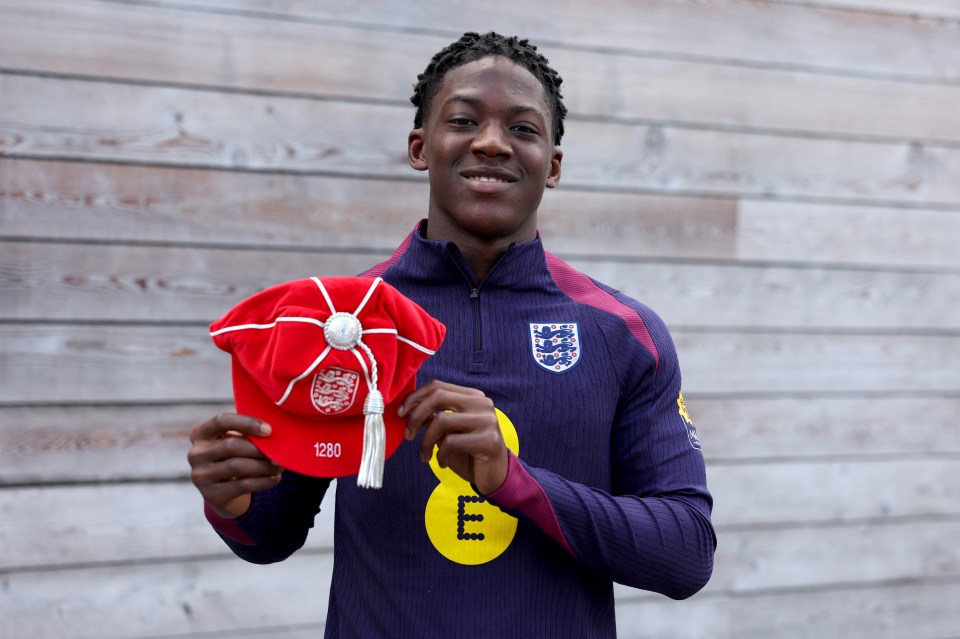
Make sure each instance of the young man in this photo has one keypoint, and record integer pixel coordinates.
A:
(549, 450)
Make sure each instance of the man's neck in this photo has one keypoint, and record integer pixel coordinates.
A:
(481, 254)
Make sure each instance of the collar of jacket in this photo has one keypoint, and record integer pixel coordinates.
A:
(522, 266)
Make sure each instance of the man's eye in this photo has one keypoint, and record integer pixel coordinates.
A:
(524, 129)
(461, 121)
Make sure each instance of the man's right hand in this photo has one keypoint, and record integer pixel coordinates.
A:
(226, 467)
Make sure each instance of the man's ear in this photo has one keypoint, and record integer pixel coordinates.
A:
(553, 177)
(415, 150)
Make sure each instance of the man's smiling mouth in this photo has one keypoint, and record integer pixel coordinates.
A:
(484, 178)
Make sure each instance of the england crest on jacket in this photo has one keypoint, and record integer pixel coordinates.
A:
(555, 346)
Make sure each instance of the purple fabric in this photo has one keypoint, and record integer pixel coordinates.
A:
(227, 527)
(522, 493)
(608, 482)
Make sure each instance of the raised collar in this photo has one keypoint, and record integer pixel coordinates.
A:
(522, 265)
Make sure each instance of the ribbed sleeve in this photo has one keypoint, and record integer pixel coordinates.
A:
(277, 522)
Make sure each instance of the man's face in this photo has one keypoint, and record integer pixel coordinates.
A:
(487, 142)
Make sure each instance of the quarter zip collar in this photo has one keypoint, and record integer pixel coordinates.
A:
(521, 267)
(439, 270)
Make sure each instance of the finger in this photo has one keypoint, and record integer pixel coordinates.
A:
(218, 495)
(233, 469)
(480, 445)
(212, 451)
(447, 399)
(430, 392)
(219, 425)
(444, 425)
(476, 458)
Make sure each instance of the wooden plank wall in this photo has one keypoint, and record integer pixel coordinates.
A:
(780, 180)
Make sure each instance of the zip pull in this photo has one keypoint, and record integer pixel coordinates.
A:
(474, 293)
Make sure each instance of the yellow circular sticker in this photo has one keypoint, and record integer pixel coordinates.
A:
(463, 526)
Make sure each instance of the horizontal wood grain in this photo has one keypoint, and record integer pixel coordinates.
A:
(927, 610)
(764, 33)
(140, 523)
(614, 155)
(712, 96)
(116, 283)
(926, 8)
(268, 133)
(115, 363)
(167, 599)
(105, 363)
(817, 363)
(232, 51)
(66, 444)
(63, 444)
(178, 599)
(78, 200)
(844, 491)
(847, 234)
(775, 297)
(757, 560)
(122, 523)
(69, 282)
(70, 200)
(254, 53)
(734, 429)
(845, 505)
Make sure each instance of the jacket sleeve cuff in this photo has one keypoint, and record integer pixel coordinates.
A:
(522, 493)
(229, 528)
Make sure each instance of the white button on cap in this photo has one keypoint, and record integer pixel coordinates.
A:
(342, 331)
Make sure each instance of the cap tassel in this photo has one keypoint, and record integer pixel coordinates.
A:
(374, 442)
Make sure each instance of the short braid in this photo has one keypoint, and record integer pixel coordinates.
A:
(471, 47)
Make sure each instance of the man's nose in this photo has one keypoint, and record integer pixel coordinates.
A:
(491, 141)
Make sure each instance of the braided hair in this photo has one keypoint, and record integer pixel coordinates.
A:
(471, 47)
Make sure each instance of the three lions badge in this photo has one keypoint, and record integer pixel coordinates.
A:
(555, 346)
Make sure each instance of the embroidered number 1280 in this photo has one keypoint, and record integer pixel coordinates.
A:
(328, 449)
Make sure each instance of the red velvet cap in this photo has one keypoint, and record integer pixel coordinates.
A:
(306, 356)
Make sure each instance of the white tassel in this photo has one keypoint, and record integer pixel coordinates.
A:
(374, 442)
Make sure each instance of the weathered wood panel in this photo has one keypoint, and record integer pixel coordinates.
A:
(136, 204)
(667, 159)
(68, 200)
(114, 363)
(818, 363)
(845, 491)
(772, 297)
(121, 283)
(794, 558)
(773, 428)
(255, 52)
(925, 8)
(205, 128)
(118, 283)
(763, 34)
(121, 523)
(169, 45)
(915, 609)
(751, 99)
(176, 599)
(110, 363)
(118, 529)
(62, 444)
(848, 234)
(44, 444)
(167, 599)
